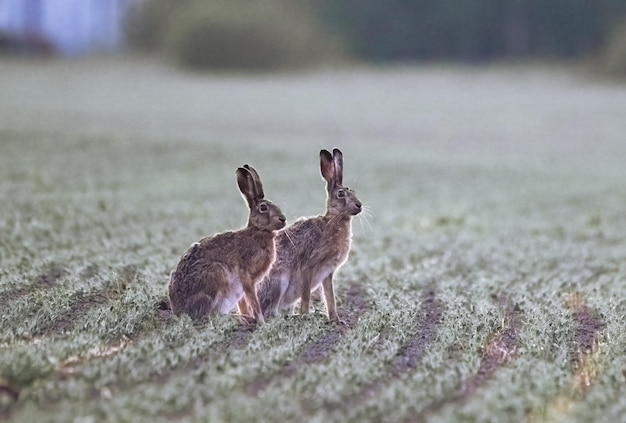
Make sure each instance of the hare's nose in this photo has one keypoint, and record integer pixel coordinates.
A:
(358, 205)
(283, 219)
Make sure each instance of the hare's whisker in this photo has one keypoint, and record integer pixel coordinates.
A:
(362, 227)
(365, 218)
(365, 214)
(367, 209)
(286, 231)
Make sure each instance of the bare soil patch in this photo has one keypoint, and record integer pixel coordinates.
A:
(588, 328)
(587, 334)
(50, 276)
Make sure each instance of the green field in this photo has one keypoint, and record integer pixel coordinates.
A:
(487, 280)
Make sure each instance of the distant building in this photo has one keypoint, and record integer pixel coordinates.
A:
(66, 27)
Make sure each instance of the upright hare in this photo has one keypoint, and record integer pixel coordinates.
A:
(220, 271)
(310, 250)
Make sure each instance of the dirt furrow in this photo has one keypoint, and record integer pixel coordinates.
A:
(70, 366)
(429, 317)
(238, 339)
(79, 308)
(45, 280)
(354, 305)
(83, 303)
(584, 355)
(409, 356)
(349, 312)
(66, 322)
(584, 348)
(500, 350)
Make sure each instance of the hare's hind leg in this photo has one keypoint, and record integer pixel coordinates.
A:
(245, 315)
(305, 300)
(271, 293)
(242, 307)
(316, 294)
(198, 305)
(249, 295)
(329, 299)
(268, 295)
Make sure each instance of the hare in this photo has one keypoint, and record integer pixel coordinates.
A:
(310, 250)
(220, 271)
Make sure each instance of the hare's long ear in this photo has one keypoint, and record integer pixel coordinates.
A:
(327, 167)
(245, 181)
(338, 161)
(258, 186)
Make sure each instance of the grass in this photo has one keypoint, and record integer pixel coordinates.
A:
(482, 183)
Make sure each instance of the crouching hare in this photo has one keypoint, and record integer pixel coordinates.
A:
(310, 250)
(221, 271)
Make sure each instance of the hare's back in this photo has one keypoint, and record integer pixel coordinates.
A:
(208, 250)
(215, 246)
(302, 237)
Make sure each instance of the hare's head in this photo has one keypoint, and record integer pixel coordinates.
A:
(341, 201)
(264, 215)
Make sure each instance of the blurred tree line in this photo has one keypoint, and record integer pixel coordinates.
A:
(227, 34)
(282, 33)
(471, 29)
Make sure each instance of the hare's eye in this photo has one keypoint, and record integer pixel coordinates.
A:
(341, 194)
(263, 208)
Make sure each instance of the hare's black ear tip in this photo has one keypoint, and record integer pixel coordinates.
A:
(337, 151)
(325, 153)
(246, 166)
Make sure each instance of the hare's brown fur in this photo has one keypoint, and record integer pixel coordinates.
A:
(310, 250)
(221, 271)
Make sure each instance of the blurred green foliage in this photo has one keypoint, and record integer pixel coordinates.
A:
(614, 61)
(232, 34)
(146, 25)
(286, 33)
(471, 29)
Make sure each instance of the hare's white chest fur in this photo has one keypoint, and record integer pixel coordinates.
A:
(233, 294)
(291, 282)
(321, 274)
